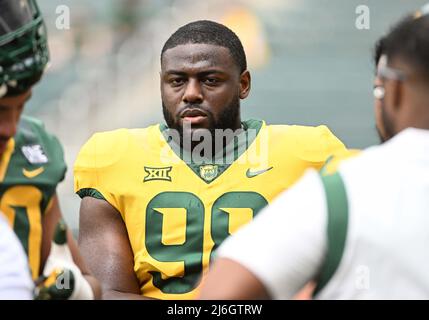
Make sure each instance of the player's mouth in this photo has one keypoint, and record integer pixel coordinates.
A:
(193, 116)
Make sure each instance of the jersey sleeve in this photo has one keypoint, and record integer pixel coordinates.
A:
(284, 247)
(316, 145)
(33, 131)
(98, 167)
(332, 164)
(49, 156)
(58, 166)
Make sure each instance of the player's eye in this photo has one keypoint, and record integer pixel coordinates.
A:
(175, 82)
(211, 81)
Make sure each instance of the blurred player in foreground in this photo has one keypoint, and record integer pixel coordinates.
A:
(15, 279)
(366, 226)
(31, 160)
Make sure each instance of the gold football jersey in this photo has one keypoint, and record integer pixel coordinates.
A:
(177, 212)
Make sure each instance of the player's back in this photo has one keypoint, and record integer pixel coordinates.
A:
(385, 253)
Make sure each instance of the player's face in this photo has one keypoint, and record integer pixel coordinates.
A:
(10, 112)
(201, 86)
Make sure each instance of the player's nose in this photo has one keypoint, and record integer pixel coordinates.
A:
(193, 93)
(8, 126)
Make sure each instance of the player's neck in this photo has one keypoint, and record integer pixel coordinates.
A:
(211, 142)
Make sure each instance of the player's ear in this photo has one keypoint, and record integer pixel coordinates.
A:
(245, 84)
(394, 96)
(397, 95)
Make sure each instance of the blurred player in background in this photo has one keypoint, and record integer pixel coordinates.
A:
(151, 214)
(31, 160)
(366, 226)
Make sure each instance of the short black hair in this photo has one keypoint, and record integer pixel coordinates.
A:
(209, 32)
(409, 41)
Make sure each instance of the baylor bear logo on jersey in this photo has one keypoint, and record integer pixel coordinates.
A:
(209, 172)
(157, 174)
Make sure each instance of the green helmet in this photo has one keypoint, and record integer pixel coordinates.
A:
(24, 50)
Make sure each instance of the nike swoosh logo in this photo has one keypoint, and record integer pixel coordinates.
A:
(251, 174)
(30, 174)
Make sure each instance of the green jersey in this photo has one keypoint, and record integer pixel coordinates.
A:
(30, 170)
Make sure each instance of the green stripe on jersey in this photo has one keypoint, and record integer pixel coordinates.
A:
(90, 192)
(337, 205)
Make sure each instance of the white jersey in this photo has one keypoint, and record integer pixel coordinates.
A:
(362, 233)
(15, 279)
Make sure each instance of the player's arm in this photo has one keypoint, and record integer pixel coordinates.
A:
(103, 242)
(246, 287)
(237, 283)
(49, 223)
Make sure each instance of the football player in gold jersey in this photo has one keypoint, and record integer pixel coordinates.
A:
(31, 159)
(158, 201)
